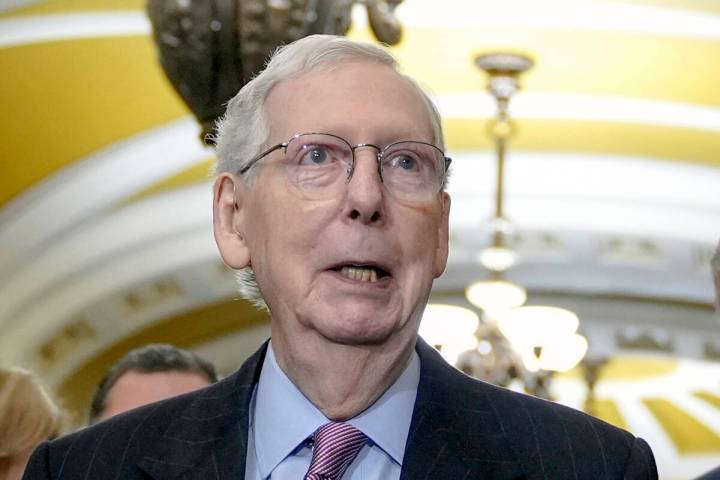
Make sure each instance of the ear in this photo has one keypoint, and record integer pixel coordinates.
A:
(443, 233)
(228, 220)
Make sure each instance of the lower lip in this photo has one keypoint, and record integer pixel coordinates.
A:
(382, 283)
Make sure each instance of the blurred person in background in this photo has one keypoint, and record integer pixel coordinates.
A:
(148, 374)
(28, 416)
(715, 267)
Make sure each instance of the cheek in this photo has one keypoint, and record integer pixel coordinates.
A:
(285, 231)
(421, 243)
(302, 225)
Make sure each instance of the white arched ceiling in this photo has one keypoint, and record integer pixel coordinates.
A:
(94, 185)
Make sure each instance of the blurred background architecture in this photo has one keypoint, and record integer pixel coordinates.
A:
(610, 199)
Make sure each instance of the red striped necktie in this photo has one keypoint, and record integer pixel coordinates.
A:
(335, 446)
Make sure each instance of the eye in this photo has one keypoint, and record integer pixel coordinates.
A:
(315, 155)
(406, 162)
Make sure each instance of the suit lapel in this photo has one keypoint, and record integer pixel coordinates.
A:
(454, 432)
(209, 440)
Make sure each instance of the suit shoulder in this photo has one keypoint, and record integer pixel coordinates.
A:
(520, 414)
(115, 444)
(515, 405)
(547, 434)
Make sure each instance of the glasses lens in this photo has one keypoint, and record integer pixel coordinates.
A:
(413, 170)
(317, 164)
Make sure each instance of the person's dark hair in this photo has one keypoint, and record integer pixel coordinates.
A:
(157, 357)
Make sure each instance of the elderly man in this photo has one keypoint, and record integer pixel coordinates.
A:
(330, 202)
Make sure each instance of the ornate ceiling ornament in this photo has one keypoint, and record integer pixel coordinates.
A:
(210, 49)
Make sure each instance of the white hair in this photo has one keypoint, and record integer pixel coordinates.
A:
(242, 133)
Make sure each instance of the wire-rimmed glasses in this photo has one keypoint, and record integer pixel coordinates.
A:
(319, 165)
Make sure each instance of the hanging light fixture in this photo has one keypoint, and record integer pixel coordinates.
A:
(503, 71)
(450, 329)
(543, 336)
(495, 295)
(536, 325)
(563, 353)
(514, 342)
(498, 256)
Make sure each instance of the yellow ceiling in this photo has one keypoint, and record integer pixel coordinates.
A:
(200, 172)
(65, 100)
(689, 435)
(700, 5)
(44, 7)
(49, 7)
(578, 61)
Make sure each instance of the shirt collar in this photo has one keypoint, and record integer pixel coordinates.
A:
(283, 417)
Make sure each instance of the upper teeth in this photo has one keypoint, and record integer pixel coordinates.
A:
(361, 274)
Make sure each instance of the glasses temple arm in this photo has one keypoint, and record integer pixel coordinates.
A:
(257, 158)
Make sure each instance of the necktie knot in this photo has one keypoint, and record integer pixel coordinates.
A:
(335, 446)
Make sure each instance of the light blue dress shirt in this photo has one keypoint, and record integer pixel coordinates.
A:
(282, 419)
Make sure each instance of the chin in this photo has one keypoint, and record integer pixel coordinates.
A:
(357, 329)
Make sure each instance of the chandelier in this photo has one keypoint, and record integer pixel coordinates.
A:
(510, 341)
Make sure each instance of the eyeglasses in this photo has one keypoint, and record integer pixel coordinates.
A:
(319, 165)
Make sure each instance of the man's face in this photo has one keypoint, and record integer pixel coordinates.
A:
(304, 251)
(134, 389)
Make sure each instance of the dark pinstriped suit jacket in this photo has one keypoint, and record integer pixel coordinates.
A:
(461, 429)
(713, 474)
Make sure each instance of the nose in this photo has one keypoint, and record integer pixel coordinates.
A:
(365, 199)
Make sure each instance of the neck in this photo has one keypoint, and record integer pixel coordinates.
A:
(12, 468)
(346, 379)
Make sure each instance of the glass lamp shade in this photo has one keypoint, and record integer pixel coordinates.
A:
(495, 295)
(450, 329)
(536, 326)
(497, 259)
(564, 353)
(560, 355)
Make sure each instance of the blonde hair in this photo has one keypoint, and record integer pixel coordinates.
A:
(28, 415)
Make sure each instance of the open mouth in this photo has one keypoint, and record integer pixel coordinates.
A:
(362, 273)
